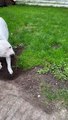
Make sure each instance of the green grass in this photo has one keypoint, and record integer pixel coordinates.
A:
(53, 94)
(44, 33)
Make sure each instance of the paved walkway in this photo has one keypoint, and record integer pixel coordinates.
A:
(14, 107)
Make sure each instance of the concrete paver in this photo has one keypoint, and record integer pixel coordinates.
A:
(14, 107)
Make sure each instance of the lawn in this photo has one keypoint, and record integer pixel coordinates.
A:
(44, 33)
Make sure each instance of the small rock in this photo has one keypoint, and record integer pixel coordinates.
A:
(56, 83)
(39, 96)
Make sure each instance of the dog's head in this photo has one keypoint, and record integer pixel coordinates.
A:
(6, 49)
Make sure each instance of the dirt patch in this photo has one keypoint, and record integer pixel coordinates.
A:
(4, 75)
(28, 82)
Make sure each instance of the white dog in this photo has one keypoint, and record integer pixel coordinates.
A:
(5, 47)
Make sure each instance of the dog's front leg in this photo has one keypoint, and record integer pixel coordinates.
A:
(0, 65)
(8, 60)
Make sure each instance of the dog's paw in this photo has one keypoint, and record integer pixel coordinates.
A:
(0, 65)
(11, 71)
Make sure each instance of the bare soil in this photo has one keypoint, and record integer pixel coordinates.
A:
(28, 82)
